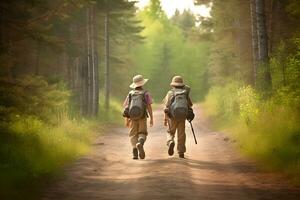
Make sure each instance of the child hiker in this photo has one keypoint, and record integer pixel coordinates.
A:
(137, 107)
(178, 108)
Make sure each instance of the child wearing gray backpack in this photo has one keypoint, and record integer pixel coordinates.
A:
(178, 108)
(137, 108)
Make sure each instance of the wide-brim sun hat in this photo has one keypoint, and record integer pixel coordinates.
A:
(138, 81)
(177, 81)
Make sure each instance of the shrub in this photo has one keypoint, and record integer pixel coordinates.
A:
(31, 149)
(36, 135)
(267, 130)
(223, 102)
(248, 101)
(31, 95)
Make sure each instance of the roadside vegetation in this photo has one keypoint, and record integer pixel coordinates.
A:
(265, 126)
(37, 136)
(50, 78)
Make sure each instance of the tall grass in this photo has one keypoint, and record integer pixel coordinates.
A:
(36, 136)
(265, 130)
(30, 149)
(114, 114)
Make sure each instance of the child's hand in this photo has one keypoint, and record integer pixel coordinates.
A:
(127, 123)
(151, 122)
(165, 122)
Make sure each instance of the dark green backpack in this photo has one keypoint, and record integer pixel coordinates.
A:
(137, 104)
(179, 104)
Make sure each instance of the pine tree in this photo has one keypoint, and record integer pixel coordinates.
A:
(263, 48)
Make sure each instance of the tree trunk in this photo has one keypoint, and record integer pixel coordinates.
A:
(271, 6)
(254, 41)
(92, 88)
(2, 39)
(84, 83)
(89, 61)
(263, 57)
(83, 69)
(92, 28)
(95, 64)
(107, 74)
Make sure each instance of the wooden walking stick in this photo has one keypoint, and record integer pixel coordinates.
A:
(193, 131)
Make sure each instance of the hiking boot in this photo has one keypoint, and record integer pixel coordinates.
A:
(140, 147)
(171, 148)
(181, 155)
(135, 153)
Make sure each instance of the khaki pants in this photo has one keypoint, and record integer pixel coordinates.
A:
(180, 127)
(138, 130)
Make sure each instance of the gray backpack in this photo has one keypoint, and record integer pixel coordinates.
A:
(179, 104)
(137, 104)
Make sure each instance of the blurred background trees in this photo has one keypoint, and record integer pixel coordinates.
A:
(64, 41)
(90, 45)
(171, 47)
(259, 26)
(254, 77)
(51, 75)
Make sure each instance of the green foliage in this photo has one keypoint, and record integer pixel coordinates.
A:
(233, 100)
(31, 149)
(113, 115)
(164, 55)
(223, 102)
(248, 101)
(265, 130)
(285, 66)
(124, 34)
(49, 39)
(36, 135)
(231, 55)
(33, 96)
(264, 120)
(154, 10)
(273, 138)
(186, 21)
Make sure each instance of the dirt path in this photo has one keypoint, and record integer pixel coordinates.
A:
(212, 170)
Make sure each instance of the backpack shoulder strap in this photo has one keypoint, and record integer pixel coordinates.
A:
(188, 89)
(172, 98)
(129, 96)
(173, 91)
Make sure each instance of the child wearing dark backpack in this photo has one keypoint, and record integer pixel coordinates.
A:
(178, 106)
(137, 107)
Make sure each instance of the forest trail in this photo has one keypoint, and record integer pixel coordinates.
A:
(212, 170)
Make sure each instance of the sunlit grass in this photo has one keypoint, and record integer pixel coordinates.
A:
(272, 136)
(114, 114)
(30, 149)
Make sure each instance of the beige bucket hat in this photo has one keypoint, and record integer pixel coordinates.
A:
(138, 81)
(177, 81)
